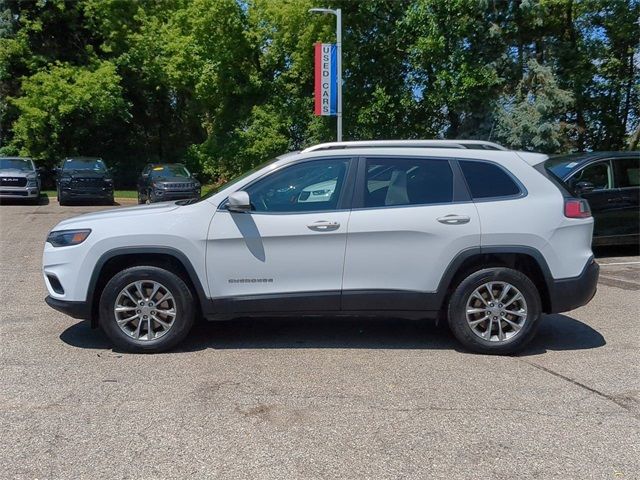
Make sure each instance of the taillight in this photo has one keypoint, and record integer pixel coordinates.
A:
(576, 208)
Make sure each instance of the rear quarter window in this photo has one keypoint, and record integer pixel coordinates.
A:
(486, 180)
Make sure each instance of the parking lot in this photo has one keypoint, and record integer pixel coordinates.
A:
(313, 398)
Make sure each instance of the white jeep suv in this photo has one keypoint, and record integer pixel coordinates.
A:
(478, 235)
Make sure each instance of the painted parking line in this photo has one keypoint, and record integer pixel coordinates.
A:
(620, 263)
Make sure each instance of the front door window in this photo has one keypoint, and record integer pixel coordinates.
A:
(305, 187)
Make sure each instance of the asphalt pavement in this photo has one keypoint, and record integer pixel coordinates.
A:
(313, 398)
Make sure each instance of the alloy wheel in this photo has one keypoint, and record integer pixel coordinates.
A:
(145, 310)
(496, 311)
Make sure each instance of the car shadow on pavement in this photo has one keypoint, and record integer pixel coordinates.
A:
(556, 333)
(42, 200)
(616, 251)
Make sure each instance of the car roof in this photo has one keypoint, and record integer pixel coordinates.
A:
(92, 159)
(15, 158)
(584, 157)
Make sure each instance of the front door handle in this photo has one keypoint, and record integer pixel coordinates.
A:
(323, 226)
(454, 219)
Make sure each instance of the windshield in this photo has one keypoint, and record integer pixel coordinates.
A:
(94, 164)
(23, 164)
(562, 165)
(170, 171)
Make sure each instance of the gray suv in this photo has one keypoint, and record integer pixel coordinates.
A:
(19, 179)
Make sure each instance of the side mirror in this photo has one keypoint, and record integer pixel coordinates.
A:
(145, 176)
(239, 202)
(583, 187)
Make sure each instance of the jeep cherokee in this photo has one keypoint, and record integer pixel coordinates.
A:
(484, 238)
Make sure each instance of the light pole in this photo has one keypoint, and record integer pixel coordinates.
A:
(338, 13)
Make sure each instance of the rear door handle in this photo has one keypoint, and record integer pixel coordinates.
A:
(323, 226)
(454, 219)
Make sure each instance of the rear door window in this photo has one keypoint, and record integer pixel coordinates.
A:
(628, 172)
(407, 181)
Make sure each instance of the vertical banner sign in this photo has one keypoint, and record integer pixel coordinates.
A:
(326, 79)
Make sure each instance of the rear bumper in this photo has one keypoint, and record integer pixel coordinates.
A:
(80, 310)
(569, 293)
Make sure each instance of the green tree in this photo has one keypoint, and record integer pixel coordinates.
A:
(68, 110)
(533, 118)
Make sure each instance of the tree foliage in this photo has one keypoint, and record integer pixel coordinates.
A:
(225, 84)
(534, 119)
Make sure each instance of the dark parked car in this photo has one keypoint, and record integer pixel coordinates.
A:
(610, 181)
(19, 178)
(160, 182)
(84, 178)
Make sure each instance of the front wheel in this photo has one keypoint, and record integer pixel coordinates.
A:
(146, 309)
(495, 311)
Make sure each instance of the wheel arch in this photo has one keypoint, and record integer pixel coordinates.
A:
(116, 260)
(527, 260)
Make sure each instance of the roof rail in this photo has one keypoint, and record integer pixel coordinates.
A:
(465, 144)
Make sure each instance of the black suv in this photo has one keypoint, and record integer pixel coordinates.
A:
(84, 178)
(160, 182)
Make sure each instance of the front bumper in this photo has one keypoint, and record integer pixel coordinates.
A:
(570, 293)
(87, 194)
(168, 195)
(19, 192)
(80, 310)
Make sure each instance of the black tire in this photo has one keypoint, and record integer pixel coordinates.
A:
(183, 306)
(110, 200)
(141, 198)
(457, 311)
(62, 200)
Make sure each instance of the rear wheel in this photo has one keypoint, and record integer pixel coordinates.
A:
(495, 310)
(146, 309)
(141, 198)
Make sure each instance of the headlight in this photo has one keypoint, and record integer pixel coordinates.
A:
(66, 238)
(159, 186)
(32, 182)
